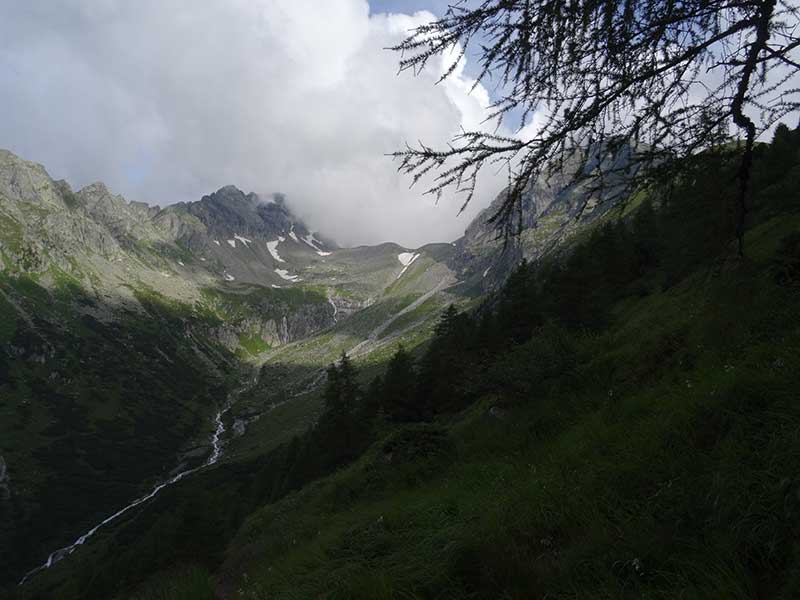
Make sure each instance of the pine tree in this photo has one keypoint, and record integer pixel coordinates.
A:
(373, 398)
(338, 433)
(400, 402)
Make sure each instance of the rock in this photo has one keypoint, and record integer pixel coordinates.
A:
(238, 427)
(199, 452)
(497, 412)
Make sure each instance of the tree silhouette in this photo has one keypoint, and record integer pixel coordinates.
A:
(618, 85)
(399, 386)
(338, 431)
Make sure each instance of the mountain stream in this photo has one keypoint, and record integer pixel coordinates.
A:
(216, 453)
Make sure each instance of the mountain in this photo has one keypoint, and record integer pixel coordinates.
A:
(126, 326)
(617, 419)
(551, 211)
(132, 332)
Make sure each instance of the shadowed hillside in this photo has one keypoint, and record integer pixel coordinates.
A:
(619, 420)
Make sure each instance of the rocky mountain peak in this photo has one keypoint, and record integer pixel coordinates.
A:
(25, 181)
(229, 195)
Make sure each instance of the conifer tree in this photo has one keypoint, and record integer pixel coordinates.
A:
(337, 432)
(399, 386)
(616, 85)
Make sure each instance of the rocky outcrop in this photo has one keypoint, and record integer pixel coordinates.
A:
(551, 211)
(100, 237)
(289, 326)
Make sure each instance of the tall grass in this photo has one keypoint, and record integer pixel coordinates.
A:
(191, 583)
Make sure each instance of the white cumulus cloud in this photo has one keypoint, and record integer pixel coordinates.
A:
(167, 100)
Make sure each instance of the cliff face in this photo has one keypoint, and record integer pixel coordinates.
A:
(551, 211)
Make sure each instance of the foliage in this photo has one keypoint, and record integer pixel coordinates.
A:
(398, 388)
(193, 583)
(617, 87)
(90, 408)
(624, 426)
(619, 421)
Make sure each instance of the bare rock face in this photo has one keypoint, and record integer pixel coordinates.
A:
(552, 209)
(22, 181)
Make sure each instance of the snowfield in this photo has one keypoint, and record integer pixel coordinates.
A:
(273, 249)
(285, 275)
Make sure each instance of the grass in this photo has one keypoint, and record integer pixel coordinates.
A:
(662, 465)
(430, 308)
(253, 344)
(241, 301)
(646, 451)
(192, 583)
(71, 377)
(8, 321)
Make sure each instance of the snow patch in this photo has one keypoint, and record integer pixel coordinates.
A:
(315, 244)
(281, 238)
(486, 272)
(244, 240)
(202, 259)
(285, 275)
(273, 249)
(228, 277)
(293, 235)
(217, 242)
(232, 243)
(180, 262)
(406, 258)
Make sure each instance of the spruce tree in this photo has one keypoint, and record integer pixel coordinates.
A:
(399, 386)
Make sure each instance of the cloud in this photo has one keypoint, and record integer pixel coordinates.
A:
(167, 100)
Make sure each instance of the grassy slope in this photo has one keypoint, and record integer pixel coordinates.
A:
(90, 409)
(211, 505)
(658, 461)
(654, 458)
(604, 487)
(288, 395)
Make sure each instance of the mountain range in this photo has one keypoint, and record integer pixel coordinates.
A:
(125, 327)
(178, 418)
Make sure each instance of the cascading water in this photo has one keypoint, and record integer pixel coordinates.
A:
(216, 452)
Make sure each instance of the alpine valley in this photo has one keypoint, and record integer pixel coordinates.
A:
(126, 328)
(210, 400)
